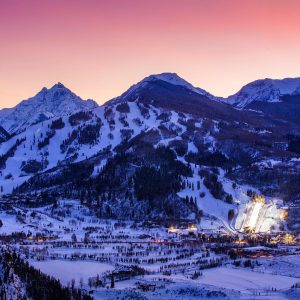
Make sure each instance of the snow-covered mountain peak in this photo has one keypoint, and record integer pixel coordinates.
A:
(265, 90)
(174, 79)
(55, 87)
(55, 101)
(152, 85)
(59, 85)
(54, 93)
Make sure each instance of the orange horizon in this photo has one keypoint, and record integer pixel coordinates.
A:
(99, 48)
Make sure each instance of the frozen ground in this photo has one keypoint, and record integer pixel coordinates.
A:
(65, 271)
(245, 281)
(170, 260)
(283, 265)
(219, 283)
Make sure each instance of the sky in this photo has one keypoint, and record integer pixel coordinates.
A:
(98, 48)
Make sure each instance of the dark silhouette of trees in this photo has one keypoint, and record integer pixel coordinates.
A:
(57, 124)
(38, 285)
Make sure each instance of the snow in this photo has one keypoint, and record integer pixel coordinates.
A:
(109, 137)
(267, 90)
(66, 260)
(10, 224)
(216, 210)
(192, 148)
(176, 80)
(48, 103)
(112, 245)
(254, 215)
(245, 280)
(260, 218)
(65, 271)
(283, 265)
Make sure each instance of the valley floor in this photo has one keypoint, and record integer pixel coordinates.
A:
(110, 259)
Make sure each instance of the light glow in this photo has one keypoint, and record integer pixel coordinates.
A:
(288, 239)
(192, 227)
(254, 214)
(284, 214)
(172, 229)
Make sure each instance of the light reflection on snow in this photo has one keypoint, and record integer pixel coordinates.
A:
(254, 215)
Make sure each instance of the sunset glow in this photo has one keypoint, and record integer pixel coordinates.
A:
(98, 48)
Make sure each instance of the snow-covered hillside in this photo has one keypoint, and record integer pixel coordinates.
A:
(48, 103)
(65, 144)
(4, 135)
(82, 151)
(44, 147)
(265, 90)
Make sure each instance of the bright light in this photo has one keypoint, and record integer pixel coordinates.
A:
(172, 229)
(260, 199)
(192, 227)
(254, 214)
(240, 242)
(288, 239)
(283, 214)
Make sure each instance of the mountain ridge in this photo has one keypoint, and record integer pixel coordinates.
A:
(59, 100)
(47, 103)
(168, 77)
(264, 90)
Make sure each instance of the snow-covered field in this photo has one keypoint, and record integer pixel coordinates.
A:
(65, 271)
(283, 265)
(173, 265)
(245, 280)
(236, 283)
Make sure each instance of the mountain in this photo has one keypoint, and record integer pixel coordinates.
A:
(277, 98)
(169, 91)
(265, 90)
(170, 78)
(4, 135)
(141, 155)
(48, 103)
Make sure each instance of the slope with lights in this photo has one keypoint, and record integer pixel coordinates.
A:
(260, 216)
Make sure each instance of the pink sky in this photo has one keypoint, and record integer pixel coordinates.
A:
(98, 48)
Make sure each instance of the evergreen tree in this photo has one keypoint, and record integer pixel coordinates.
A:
(112, 283)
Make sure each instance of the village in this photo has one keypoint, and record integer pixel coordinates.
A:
(147, 257)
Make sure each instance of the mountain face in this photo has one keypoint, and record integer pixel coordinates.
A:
(48, 103)
(265, 90)
(4, 135)
(169, 91)
(277, 99)
(163, 149)
(170, 78)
